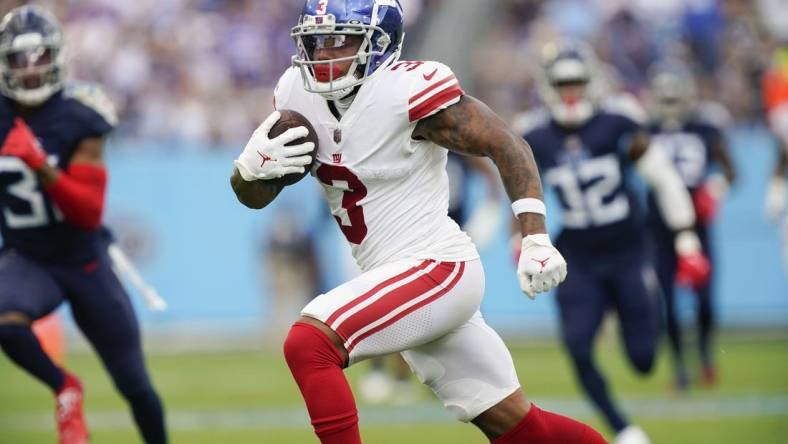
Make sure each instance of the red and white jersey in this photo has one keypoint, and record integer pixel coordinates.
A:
(388, 192)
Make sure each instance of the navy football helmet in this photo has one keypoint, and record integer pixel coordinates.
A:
(568, 87)
(328, 23)
(31, 55)
(673, 90)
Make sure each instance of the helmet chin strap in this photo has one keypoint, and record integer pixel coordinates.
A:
(345, 102)
(346, 95)
(330, 85)
(337, 92)
(32, 97)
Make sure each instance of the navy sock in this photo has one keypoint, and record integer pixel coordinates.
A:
(595, 386)
(149, 416)
(22, 347)
(705, 325)
(127, 369)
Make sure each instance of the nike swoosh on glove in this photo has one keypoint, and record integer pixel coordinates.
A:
(541, 267)
(265, 159)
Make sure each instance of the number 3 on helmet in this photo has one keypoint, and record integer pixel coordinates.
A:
(327, 23)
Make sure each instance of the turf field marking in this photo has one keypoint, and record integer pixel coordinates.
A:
(682, 409)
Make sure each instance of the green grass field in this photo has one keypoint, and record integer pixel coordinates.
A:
(247, 397)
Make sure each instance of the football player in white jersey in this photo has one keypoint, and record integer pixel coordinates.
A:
(384, 127)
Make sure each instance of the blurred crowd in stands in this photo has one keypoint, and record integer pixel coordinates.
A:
(197, 73)
(185, 73)
(728, 44)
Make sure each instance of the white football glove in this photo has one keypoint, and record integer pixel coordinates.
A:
(541, 266)
(265, 159)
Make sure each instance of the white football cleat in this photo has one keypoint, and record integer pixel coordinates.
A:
(632, 435)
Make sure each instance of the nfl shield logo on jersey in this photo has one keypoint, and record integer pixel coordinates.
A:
(337, 135)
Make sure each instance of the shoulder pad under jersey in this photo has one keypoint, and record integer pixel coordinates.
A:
(625, 105)
(93, 97)
(714, 114)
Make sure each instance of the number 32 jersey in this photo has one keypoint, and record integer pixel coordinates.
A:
(388, 192)
(29, 221)
(589, 169)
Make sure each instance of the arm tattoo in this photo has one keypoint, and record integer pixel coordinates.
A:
(470, 127)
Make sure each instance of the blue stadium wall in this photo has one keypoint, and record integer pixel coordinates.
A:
(176, 214)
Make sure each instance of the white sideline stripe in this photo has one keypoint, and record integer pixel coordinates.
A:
(405, 306)
(380, 293)
(746, 406)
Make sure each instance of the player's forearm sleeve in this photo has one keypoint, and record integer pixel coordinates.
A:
(672, 196)
(79, 194)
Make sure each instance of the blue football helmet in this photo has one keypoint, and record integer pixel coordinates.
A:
(569, 65)
(327, 23)
(31, 55)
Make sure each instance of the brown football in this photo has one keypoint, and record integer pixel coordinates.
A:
(293, 119)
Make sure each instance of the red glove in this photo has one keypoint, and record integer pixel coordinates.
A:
(693, 270)
(705, 205)
(707, 197)
(22, 143)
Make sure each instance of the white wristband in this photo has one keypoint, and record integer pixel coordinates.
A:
(529, 205)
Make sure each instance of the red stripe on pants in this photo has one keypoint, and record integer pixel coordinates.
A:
(409, 292)
(374, 290)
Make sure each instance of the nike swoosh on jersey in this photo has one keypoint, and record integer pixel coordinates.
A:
(429, 76)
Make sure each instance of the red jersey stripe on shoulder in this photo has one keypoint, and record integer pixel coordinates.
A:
(427, 90)
(423, 110)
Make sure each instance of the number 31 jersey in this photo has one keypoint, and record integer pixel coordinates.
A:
(29, 221)
(388, 192)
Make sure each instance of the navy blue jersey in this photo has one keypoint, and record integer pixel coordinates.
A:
(689, 147)
(589, 169)
(29, 221)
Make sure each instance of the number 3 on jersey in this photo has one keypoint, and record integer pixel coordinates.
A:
(351, 220)
(28, 207)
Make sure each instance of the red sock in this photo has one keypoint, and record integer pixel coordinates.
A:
(541, 427)
(316, 366)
